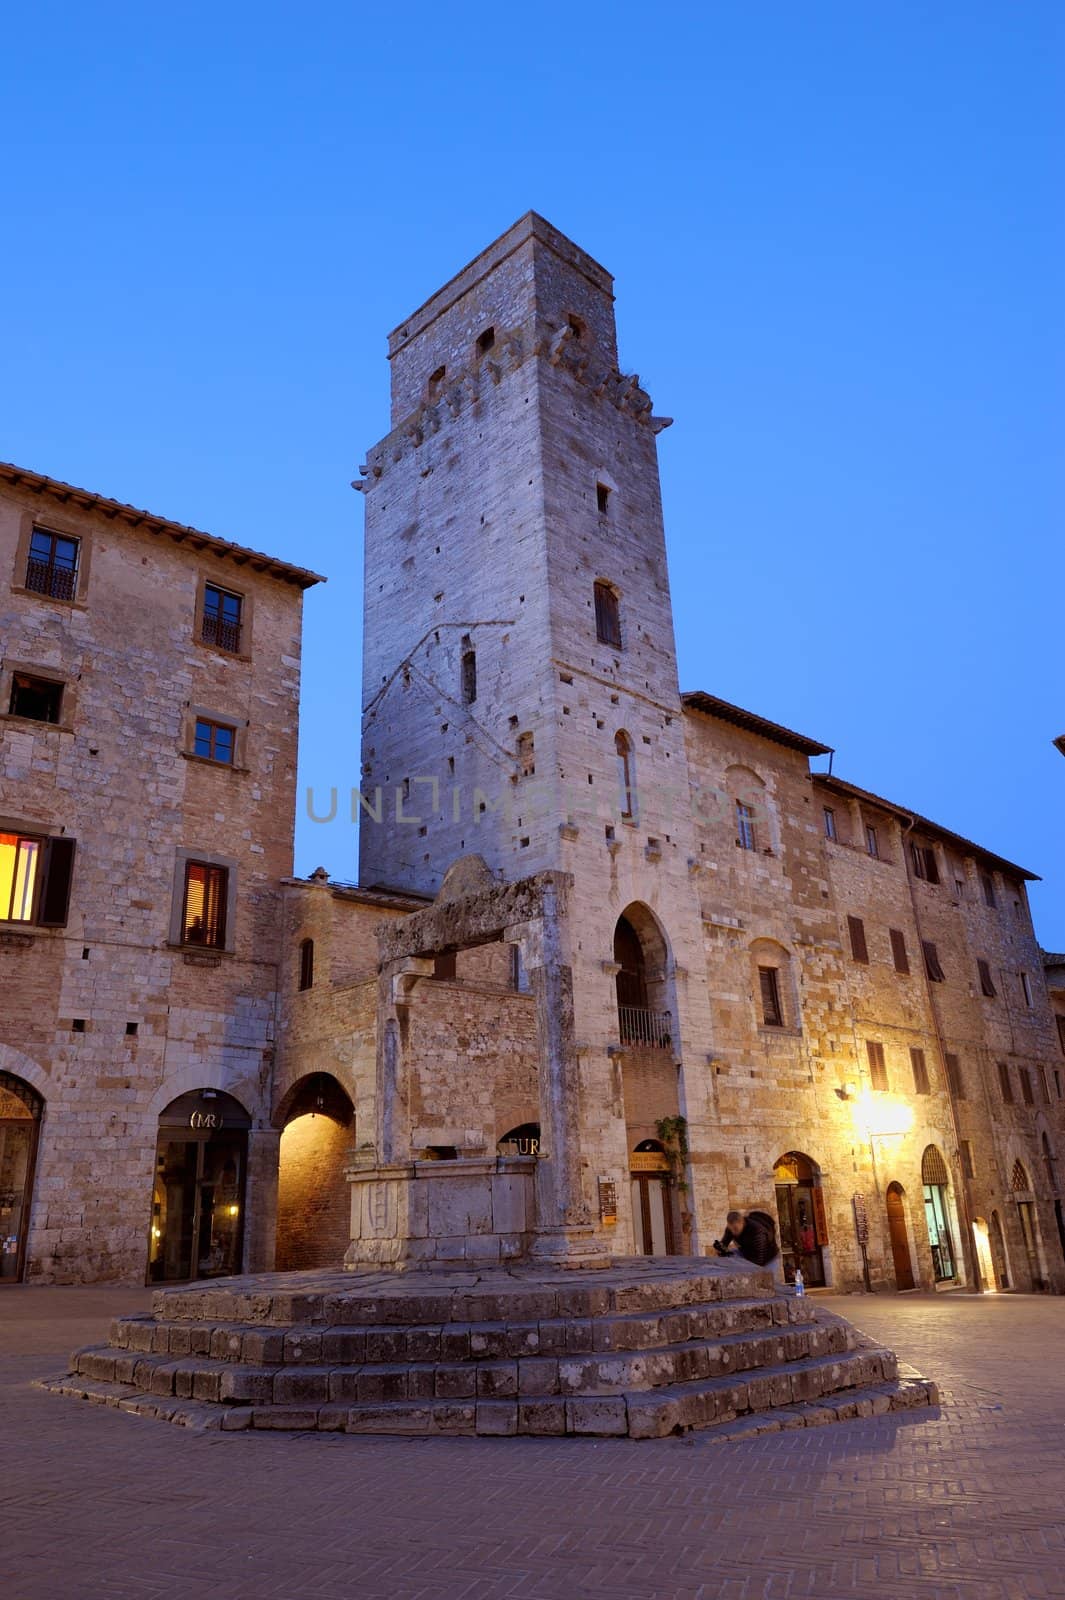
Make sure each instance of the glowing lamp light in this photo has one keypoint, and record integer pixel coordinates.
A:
(881, 1116)
(233, 1210)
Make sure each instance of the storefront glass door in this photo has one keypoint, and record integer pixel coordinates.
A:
(935, 1210)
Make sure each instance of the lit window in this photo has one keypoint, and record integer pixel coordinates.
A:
(52, 568)
(19, 864)
(203, 914)
(214, 741)
(222, 618)
(745, 835)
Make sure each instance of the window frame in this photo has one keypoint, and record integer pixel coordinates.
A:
(183, 859)
(900, 955)
(986, 980)
(922, 1082)
(925, 865)
(746, 827)
(56, 854)
(872, 841)
(10, 670)
(829, 816)
(771, 997)
(63, 527)
(305, 976)
(210, 580)
(607, 603)
(858, 943)
(876, 1060)
(932, 964)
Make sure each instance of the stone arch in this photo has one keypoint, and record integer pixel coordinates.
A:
(20, 1065)
(207, 1075)
(316, 1118)
(750, 809)
(643, 978)
(524, 1137)
(802, 1220)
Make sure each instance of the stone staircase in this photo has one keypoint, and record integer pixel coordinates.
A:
(648, 1347)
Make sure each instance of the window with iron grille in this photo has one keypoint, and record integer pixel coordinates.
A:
(898, 951)
(52, 568)
(745, 835)
(35, 876)
(877, 1065)
(203, 912)
(214, 741)
(955, 1080)
(987, 983)
(1027, 1094)
(39, 699)
(920, 1071)
(1005, 1082)
(222, 623)
(859, 948)
(769, 984)
(931, 961)
(607, 616)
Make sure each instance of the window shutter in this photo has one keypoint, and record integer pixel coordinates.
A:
(55, 892)
(987, 983)
(920, 1071)
(954, 1077)
(931, 961)
(877, 1067)
(1004, 1082)
(772, 1014)
(898, 951)
(859, 949)
(1026, 1086)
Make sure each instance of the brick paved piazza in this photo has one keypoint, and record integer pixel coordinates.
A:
(98, 1505)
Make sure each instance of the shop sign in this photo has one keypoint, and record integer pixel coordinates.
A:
(648, 1161)
(861, 1219)
(819, 1214)
(608, 1202)
(205, 1119)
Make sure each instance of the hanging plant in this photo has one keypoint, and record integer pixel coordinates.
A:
(673, 1132)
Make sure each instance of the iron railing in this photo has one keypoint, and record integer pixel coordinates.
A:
(641, 1026)
(45, 577)
(218, 631)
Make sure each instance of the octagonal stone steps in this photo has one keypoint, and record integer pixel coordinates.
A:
(644, 1350)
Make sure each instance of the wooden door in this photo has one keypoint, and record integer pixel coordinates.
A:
(900, 1238)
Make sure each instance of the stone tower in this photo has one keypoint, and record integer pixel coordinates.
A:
(520, 685)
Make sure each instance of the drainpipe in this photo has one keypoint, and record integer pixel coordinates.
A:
(972, 1259)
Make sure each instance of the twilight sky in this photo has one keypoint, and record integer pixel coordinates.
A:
(838, 237)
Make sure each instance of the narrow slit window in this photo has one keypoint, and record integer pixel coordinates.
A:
(602, 499)
(626, 776)
(1005, 1082)
(830, 823)
(469, 676)
(307, 964)
(987, 983)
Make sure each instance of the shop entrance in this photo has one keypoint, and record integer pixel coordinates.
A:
(899, 1236)
(197, 1227)
(652, 1200)
(935, 1179)
(801, 1210)
(20, 1120)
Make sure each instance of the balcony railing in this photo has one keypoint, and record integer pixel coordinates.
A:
(221, 632)
(45, 577)
(640, 1026)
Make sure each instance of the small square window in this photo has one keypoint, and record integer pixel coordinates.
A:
(222, 618)
(214, 741)
(52, 568)
(39, 699)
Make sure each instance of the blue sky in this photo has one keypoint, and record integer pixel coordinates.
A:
(837, 234)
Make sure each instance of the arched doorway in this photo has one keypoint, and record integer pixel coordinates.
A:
(21, 1109)
(899, 1235)
(1021, 1188)
(523, 1140)
(644, 1011)
(935, 1180)
(317, 1120)
(201, 1159)
(803, 1225)
(998, 1251)
(652, 1200)
(982, 1241)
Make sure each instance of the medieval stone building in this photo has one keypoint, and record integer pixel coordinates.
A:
(618, 959)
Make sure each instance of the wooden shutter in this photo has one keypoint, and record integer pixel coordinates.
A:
(920, 1071)
(967, 1159)
(1004, 1082)
(859, 949)
(955, 1080)
(931, 961)
(1061, 1033)
(877, 1067)
(772, 1015)
(55, 891)
(987, 983)
(898, 951)
(1026, 1086)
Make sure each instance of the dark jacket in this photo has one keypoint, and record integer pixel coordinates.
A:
(754, 1242)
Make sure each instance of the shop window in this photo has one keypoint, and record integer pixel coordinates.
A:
(223, 618)
(35, 877)
(52, 567)
(38, 699)
(203, 912)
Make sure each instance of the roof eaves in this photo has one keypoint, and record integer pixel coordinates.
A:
(711, 706)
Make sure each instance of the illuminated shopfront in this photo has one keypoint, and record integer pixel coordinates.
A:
(197, 1222)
